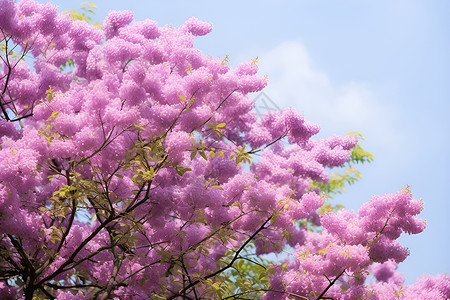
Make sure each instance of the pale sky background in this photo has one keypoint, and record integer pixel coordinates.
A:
(378, 67)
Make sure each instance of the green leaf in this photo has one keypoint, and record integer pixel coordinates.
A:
(237, 203)
(262, 275)
(89, 4)
(202, 154)
(274, 218)
(193, 154)
(218, 132)
(138, 127)
(180, 170)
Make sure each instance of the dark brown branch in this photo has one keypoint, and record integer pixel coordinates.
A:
(72, 215)
(23, 255)
(186, 106)
(137, 271)
(268, 145)
(103, 225)
(188, 278)
(264, 290)
(217, 108)
(321, 296)
(76, 251)
(229, 265)
(29, 274)
(104, 144)
(117, 263)
(20, 118)
(73, 286)
(133, 205)
(9, 68)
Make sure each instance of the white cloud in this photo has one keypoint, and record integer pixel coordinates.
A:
(294, 81)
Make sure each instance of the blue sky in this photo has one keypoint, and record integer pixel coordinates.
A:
(378, 67)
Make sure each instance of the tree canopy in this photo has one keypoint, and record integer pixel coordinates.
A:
(132, 166)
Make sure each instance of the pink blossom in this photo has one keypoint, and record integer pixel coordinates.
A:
(116, 20)
(196, 27)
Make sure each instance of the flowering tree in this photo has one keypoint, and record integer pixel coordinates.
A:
(128, 171)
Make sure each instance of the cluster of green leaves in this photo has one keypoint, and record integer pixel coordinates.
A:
(47, 129)
(85, 13)
(215, 127)
(142, 157)
(249, 275)
(241, 156)
(189, 102)
(203, 150)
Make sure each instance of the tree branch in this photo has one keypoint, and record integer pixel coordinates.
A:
(321, 296)
(229, 265)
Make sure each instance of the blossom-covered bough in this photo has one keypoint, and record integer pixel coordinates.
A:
(127, 172)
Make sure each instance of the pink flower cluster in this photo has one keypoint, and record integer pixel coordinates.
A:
(349, 244)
